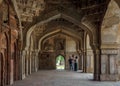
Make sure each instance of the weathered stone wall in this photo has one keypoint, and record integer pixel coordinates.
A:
(47, 60)
(9, 44)
(51, 49)
(70, 45)
(111, 24)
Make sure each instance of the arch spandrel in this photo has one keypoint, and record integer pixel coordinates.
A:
(118, 2)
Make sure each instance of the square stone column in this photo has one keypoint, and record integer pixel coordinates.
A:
(109, 64)
(84, 62)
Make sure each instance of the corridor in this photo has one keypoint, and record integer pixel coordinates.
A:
(37, 35)
(61, 78)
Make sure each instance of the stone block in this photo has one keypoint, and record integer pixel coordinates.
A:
(107, 77)
(103, 63)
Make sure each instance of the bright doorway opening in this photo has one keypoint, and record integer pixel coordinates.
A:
(60, 62)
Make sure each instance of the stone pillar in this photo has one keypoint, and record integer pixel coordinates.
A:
(36, 61)
(26, 63)
(33, 61)
(30, 62)
(80, 62)
(97, 64)
(84, 62)
(109, 64)
(33, 56)
(23, 64)
(90, 61)
(20, 63)
(12, 72)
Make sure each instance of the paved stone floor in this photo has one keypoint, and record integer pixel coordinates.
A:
(62, 78)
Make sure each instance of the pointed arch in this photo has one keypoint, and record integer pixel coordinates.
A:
(64, 16)
(54, 32)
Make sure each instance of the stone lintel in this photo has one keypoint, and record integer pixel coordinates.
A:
(110, 51)
(110, 46)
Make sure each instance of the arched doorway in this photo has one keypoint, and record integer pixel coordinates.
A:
(60, 62)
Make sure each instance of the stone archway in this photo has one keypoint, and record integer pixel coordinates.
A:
(57, 31)
(85, 24)
(69, 47)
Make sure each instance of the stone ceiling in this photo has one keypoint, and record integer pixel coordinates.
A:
(34, 11)
(31, 8)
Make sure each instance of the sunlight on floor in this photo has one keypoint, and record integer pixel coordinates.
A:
(60, 67)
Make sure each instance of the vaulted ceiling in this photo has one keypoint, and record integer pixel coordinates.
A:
(35, 11)
(91, 8)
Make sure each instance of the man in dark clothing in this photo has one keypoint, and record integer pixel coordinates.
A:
(70, 63)
(75, 63)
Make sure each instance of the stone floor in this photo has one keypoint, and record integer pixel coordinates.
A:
(62, 78)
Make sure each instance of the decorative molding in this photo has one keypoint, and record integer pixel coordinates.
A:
(110, 51)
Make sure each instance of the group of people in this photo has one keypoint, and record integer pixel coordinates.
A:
(73, 63)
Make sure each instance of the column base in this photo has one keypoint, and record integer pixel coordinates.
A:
(106, 77)
(23, 76)
(97, 77)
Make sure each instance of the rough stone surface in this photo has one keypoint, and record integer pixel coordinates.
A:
(110, 26)
(62, 78)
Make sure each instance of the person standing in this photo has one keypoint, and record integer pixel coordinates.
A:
(76, 63)
(73, 62)
(70, 63)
